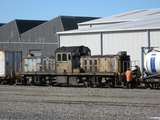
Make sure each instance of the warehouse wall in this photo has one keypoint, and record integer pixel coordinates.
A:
(45, 32)
(112, 42)
(155, 38)
(9, 33)
(46, 50)
(93, 26)
(9, 37)
(90, 40)
(125, 41)
(43, 37)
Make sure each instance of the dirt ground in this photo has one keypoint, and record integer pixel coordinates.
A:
(58, 103)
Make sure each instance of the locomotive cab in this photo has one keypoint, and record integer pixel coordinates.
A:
(68, 58)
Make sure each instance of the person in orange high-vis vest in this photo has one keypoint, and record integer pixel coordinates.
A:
(128, 75)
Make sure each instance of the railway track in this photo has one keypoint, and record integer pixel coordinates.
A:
(124, 104)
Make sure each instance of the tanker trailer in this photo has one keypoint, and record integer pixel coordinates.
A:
(152, 69)
(152, 62)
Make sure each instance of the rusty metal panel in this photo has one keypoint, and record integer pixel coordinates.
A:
(108, 64)
(87, 66)
(38, 64)
(100, 64)
(48, 64)
(64, 67)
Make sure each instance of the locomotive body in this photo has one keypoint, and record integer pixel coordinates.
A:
(68, 58)
(75, 66)
(36, 70)
(109, 68)
(106, 63)
(38, 64)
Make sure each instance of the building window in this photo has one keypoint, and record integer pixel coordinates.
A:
(64, 57)
(58, 57)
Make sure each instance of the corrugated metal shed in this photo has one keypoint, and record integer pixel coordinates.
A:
(10, 34)
(44, 36)
(36, 35)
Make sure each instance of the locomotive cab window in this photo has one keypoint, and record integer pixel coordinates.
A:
(58, 57)
(95, 62)
(69, 56)
(64, 57)
(85, 62)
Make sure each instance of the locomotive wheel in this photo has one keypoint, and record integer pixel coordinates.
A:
(86, 84)
(111, 84)
(154, 85)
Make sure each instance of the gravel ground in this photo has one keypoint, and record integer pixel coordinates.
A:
(53, 103)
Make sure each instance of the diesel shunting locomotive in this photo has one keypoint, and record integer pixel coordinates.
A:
(75, 66)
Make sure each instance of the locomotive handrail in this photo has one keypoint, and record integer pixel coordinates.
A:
(68, 74)
(152, 76)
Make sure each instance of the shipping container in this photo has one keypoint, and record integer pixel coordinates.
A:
(2, 64)
(10, 63)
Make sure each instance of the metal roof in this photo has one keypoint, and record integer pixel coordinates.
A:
(127, 16)
(74, 49)
(70, 22)
(145, 22)
(135, 20)
(1, 24)
(25, 25)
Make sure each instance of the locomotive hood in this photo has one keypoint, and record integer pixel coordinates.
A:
(75, 50)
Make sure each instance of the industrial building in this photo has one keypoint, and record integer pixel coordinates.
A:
(1, 24)
(43, 38)
(10, 34)
(123, 32)
(36, 36)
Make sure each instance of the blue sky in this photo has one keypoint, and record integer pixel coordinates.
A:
(48, 9)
